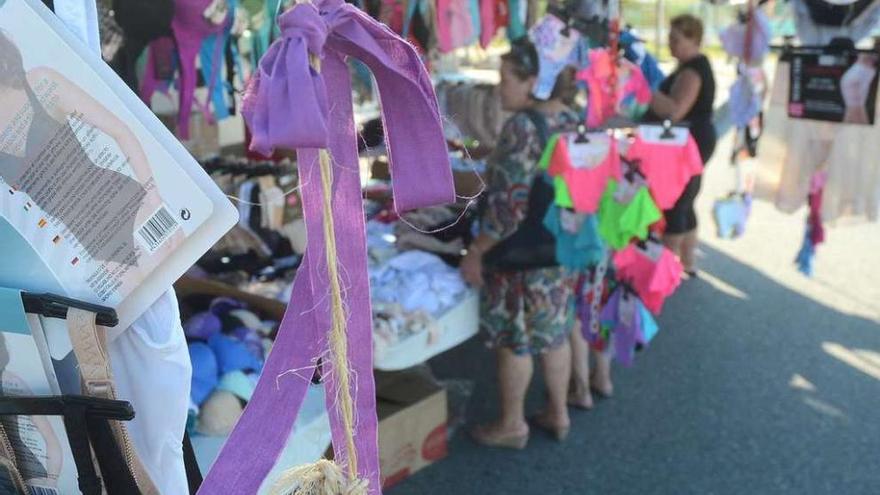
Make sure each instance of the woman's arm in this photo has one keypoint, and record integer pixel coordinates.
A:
(681, 99)
(510, 172)
(71, 98)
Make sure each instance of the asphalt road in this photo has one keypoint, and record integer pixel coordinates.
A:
(761, 381)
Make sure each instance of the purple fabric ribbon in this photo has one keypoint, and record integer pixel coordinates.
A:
(287, 106)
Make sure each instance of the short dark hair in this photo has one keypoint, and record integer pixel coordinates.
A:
(690, 26)
(524, 57)
(12, 74)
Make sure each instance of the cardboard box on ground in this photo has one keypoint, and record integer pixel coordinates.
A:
(412, 409)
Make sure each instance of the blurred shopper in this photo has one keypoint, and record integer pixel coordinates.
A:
(687, 95)
(526, 312)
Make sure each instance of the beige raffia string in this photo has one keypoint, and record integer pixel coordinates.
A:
(326, 477)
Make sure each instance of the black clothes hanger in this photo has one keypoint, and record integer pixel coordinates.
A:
(583, 18)
(582, 137)
(634, 169)
(86, 420)
(55, 306)
(667, 130)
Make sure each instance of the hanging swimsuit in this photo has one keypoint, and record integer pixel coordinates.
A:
(653, 279)
(190, 28)
(668, 165)
(98, 223)
(578, 244)
(585, 168)
(623, 320)
(620, 222)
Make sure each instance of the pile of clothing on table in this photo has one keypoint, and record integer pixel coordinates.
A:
(413, 280)
(228, 344)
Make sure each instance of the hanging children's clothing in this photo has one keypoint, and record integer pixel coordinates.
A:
(493, 15)
(731, 214)
(556, 50)
(631, 98)
(735, 40)
(591, 294)
(668, 163)
(624, 317)
(578, 244)
(652, 270)
(626, 212)
(584, 163)
(212, 57)
(455, 29)
(636, 52)
(517, 14)
(194, 20)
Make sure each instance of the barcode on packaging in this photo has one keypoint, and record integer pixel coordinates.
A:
(39, 490)
(155, 231)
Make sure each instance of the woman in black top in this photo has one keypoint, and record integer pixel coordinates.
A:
(688, 94)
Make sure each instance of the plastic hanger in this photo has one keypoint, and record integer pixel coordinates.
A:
(55, 306)
(667, 130)
(582, 137)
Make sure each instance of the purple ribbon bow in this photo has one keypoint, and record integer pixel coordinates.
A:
(287, 106)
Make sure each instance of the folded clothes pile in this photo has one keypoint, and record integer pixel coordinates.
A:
(227, 346)
(417, 281)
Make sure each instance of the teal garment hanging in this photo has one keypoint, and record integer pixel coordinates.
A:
(413, 7)
(516, 27)
(267, 32)
(213, 74)
(579, 250)
(212, 57)
(476, 21)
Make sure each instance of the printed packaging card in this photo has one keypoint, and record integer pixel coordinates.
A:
(104, 195)
(42, 451)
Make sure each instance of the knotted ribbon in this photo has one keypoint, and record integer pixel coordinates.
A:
(291, 104)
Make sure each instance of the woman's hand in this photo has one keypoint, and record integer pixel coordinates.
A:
(472, 268)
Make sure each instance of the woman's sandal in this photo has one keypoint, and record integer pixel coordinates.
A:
(482, 436)
(602, 394)
(560, 433)
(583, 405)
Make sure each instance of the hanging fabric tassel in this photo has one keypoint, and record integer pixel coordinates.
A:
(815, 231)
(300, 99)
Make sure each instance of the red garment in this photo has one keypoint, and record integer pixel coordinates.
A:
(668, 167)
(653, 280)
(586, 180)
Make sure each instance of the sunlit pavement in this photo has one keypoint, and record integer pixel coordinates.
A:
(761, 381)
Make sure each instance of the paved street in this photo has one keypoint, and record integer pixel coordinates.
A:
(761, 381)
